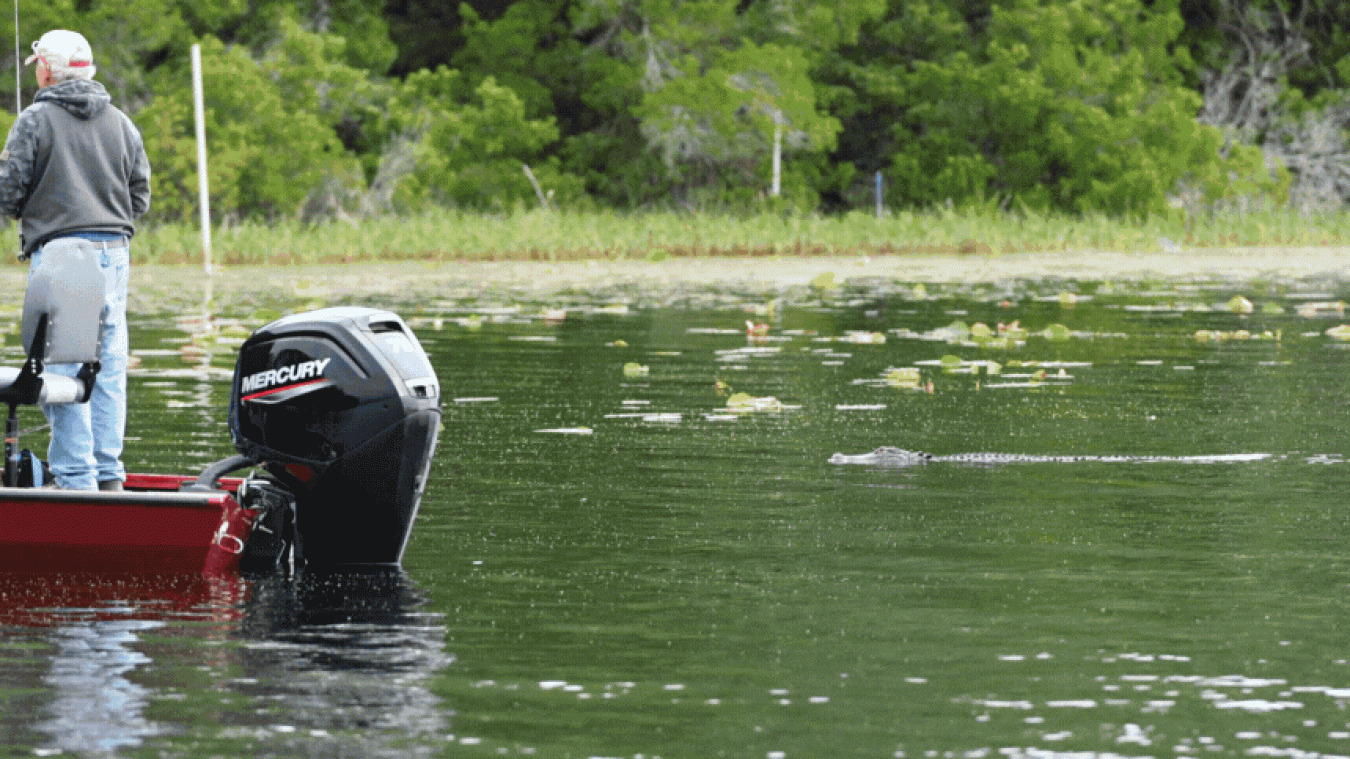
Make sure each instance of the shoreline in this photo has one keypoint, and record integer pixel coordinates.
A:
(411, 279)
(762, 274)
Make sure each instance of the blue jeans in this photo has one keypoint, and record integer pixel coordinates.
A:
(86, 445)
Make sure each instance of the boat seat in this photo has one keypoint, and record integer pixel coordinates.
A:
(62, 321)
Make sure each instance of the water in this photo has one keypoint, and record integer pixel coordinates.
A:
(614, 563)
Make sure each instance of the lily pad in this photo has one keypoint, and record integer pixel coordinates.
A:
(1056, 332)
(905, 377)
(824, 281)
(864, 338)
(741, 403)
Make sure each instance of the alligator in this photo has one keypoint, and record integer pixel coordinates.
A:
(889, 456)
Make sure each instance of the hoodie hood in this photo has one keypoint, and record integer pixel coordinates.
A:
(83, 98)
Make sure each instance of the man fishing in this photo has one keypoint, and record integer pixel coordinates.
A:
(74, 167)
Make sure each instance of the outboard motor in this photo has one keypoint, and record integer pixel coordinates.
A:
(342, 409)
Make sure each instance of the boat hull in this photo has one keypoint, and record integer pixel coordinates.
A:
(150, 526)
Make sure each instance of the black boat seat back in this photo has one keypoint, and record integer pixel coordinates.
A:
(62, 322)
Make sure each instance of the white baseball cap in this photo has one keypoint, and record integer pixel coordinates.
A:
(62, 47)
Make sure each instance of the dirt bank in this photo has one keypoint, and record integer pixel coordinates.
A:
(772, 274)
(414, 279)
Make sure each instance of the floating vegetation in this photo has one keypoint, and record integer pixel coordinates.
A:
(1002, 336)
(905, 377)
(1314, 309)
(735, 354)
(950, 364)
(863, 338)
(1056, 332)
(1219, 336)
(744, 403)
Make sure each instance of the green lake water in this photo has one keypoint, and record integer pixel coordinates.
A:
(612, 561)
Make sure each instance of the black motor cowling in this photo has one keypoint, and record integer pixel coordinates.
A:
(342, 408)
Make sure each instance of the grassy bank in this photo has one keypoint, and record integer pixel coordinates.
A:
(539, 235)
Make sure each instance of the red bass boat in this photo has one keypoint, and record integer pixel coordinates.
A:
(336, 411)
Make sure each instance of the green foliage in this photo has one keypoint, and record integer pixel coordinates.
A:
(582, 69)
(1029, 106)
(511, 51)
(819, 26)
(266, 155)
(715, 125)
(472, 150)
(360, 24)
(1074, 105)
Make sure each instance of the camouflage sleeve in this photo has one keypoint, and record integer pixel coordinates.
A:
(16, 165)
(140, 181)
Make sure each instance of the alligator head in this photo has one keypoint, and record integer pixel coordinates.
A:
(884, 456)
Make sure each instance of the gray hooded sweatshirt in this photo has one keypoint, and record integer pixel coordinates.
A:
(73, 163)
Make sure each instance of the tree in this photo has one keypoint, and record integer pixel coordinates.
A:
(470, 147)
(255, 24)
(267, 155)
(816, 26)
(867, 83)
(715, 126)
(430, 32)
(1078, 105)
(1259, 89)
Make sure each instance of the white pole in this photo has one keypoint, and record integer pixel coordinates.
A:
(203, 196)
(777, 159)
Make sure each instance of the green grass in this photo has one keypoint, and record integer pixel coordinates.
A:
(540, 235)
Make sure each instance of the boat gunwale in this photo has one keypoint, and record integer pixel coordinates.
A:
(211, 499)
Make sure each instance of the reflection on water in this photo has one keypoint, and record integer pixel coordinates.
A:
(671, 570)
(102, 666)
(348, 658)
(95, 709)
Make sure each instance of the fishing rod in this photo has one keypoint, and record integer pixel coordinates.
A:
(18, 67)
